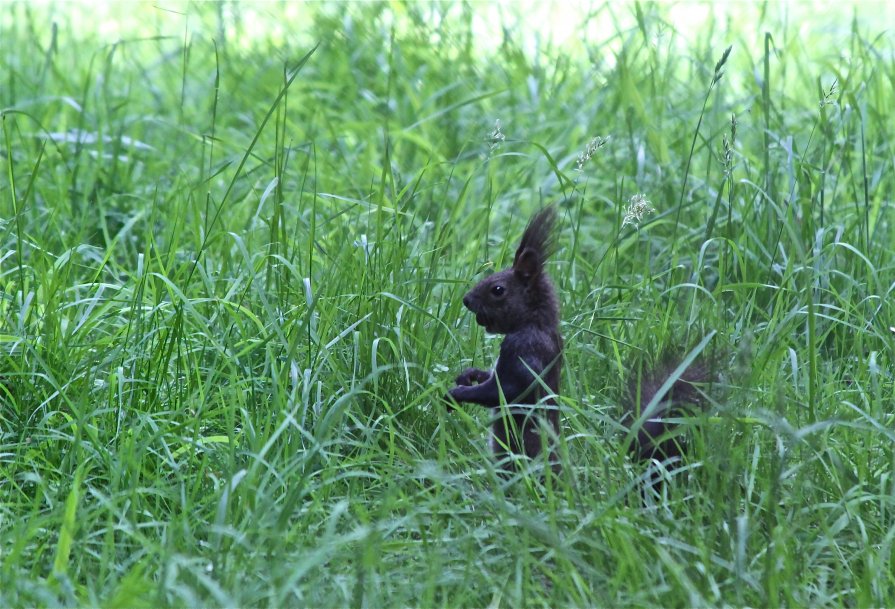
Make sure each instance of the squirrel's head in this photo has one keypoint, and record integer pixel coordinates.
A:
(523, 294)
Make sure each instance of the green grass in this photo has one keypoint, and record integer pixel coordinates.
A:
(231, 270)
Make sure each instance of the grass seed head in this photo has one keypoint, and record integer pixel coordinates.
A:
(638, 207)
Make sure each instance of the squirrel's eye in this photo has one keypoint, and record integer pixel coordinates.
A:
(498, 290)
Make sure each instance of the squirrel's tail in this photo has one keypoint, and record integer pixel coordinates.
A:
(655, 437)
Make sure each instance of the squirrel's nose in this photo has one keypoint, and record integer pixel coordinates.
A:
(466, 301)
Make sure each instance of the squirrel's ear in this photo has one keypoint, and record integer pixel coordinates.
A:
(527, 264)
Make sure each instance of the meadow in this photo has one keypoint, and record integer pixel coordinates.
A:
(234, 239)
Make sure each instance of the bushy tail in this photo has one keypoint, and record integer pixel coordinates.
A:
(654, 439)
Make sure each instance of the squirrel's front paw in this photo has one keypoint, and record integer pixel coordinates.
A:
(472, 376)
(451, 400)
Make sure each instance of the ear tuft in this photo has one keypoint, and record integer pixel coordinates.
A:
(536, 244)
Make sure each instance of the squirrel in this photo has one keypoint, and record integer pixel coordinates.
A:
(521, 303)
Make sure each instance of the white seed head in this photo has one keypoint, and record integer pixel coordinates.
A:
(594, 145)
(638, 207)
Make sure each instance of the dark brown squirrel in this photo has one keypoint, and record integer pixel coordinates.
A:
(521, 303)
